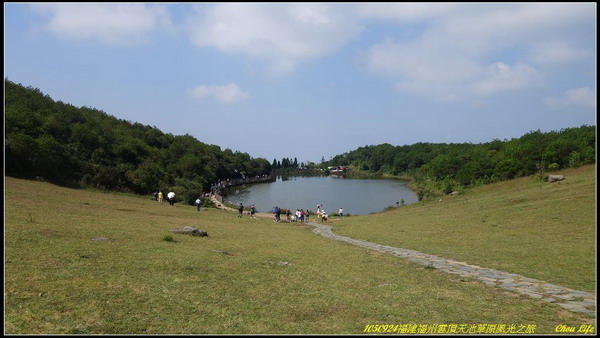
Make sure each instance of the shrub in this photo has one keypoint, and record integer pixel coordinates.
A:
(553, 166)
(168, 238)
(574, 159)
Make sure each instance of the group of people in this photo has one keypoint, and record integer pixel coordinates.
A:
(218, 187)
(321, 214)
(241, 210)
(158, 196)
(303, 216)
(299, 216)
(276, 214)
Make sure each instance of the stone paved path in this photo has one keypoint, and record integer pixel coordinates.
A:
(569, 299)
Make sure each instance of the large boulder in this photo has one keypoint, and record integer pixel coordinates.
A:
(555, 178)
(190, 231)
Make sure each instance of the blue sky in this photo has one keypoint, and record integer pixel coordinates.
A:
(313, 80)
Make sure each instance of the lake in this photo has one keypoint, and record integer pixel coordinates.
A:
(356, 196)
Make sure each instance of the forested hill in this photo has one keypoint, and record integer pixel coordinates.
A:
(450, 166)
(67, 145)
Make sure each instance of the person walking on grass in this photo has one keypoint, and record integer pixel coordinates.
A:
(171, 196)
(341, 213)
(198, 203)
(253, 211)
(160, 196)
(241, 210)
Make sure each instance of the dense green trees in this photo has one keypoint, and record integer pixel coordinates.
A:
(451, 166)
(286, 163)
(63, 144)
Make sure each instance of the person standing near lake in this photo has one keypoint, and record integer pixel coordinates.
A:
(253, 211)
(241, 210)
(341, 213)
(277, 213)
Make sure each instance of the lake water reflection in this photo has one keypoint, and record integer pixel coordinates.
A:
(356, 196)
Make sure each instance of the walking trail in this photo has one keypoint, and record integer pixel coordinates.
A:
(569, 299)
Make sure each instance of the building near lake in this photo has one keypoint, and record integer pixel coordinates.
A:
(336, 169)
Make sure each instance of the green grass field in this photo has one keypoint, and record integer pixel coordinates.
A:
(260, 277)
(541, 230)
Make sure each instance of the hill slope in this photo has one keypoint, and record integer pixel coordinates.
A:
(541, 230)
(248, 276)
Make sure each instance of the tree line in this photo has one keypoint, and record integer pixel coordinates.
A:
(286, 163)
(85, 147)
(448, 167)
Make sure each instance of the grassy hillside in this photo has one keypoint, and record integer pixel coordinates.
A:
(250, 276)
(541, 230)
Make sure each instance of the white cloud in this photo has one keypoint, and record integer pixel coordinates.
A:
(229, 93)
(500, 77)
(404, 12)
(454, 52)
(281, 34)
(575, 98)
(118, 24)
(428, 70)
(558, 52)
(477, 50)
